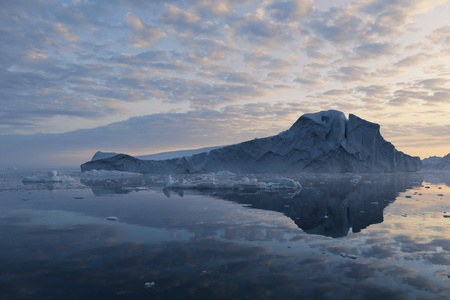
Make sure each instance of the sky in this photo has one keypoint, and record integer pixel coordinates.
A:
(142, 77)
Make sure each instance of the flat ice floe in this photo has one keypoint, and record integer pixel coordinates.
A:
(49, 177)
(228, 180)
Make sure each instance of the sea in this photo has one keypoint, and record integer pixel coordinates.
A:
(127, 236)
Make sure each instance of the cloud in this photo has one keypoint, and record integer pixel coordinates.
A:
(152, 134)
(258, 30)
(338, 26)
(143, 35)
(374, 50)
(378, 91)
(95, 62)
(216, 50)
(440, 35)
(186, 23)
(350, 73)
(314, 47)
(291, 10)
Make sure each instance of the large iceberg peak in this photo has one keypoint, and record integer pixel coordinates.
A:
(327, 118)
(327, 126)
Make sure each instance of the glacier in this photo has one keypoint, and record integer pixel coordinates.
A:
(322, 142)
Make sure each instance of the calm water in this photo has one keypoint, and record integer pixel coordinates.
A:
(377, 237)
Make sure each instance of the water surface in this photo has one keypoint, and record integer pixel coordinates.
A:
(382, 236)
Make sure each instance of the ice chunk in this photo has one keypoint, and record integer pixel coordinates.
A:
(51, 176)
(149, 284)
(112, 218)
(290, 183)
(168, 181)
(229, 181)
(99, 175)
(347, 255)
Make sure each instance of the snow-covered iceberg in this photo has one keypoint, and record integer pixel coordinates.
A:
(319, 142)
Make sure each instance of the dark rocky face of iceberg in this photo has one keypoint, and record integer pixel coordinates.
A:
(320, 142)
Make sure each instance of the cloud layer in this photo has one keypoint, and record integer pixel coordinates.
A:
(67, 66)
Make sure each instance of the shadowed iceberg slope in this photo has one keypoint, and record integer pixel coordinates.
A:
(319, 142)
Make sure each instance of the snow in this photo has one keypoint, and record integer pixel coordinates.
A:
(176, 154)
(102, 155)
(158, 156)
(49, 177)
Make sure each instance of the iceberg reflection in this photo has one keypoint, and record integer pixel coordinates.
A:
(327, 205)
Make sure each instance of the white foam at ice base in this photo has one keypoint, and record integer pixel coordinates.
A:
(228, 180)
(51, 176)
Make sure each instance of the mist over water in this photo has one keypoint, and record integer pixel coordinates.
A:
(339, 237)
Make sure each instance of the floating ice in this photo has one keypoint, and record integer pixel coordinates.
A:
(112, 218)
(149, 284)
(138, 188)
(51, 176)
(103, 175)
(347, 255)
(229, 180)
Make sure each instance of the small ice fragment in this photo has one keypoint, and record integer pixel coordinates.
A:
(112, 218)
(149, 284)
(347, 255)
(168, 180)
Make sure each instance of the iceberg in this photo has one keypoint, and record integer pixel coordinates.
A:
(223, 181)
(322, 142)
(437, 163)
(50, 177)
